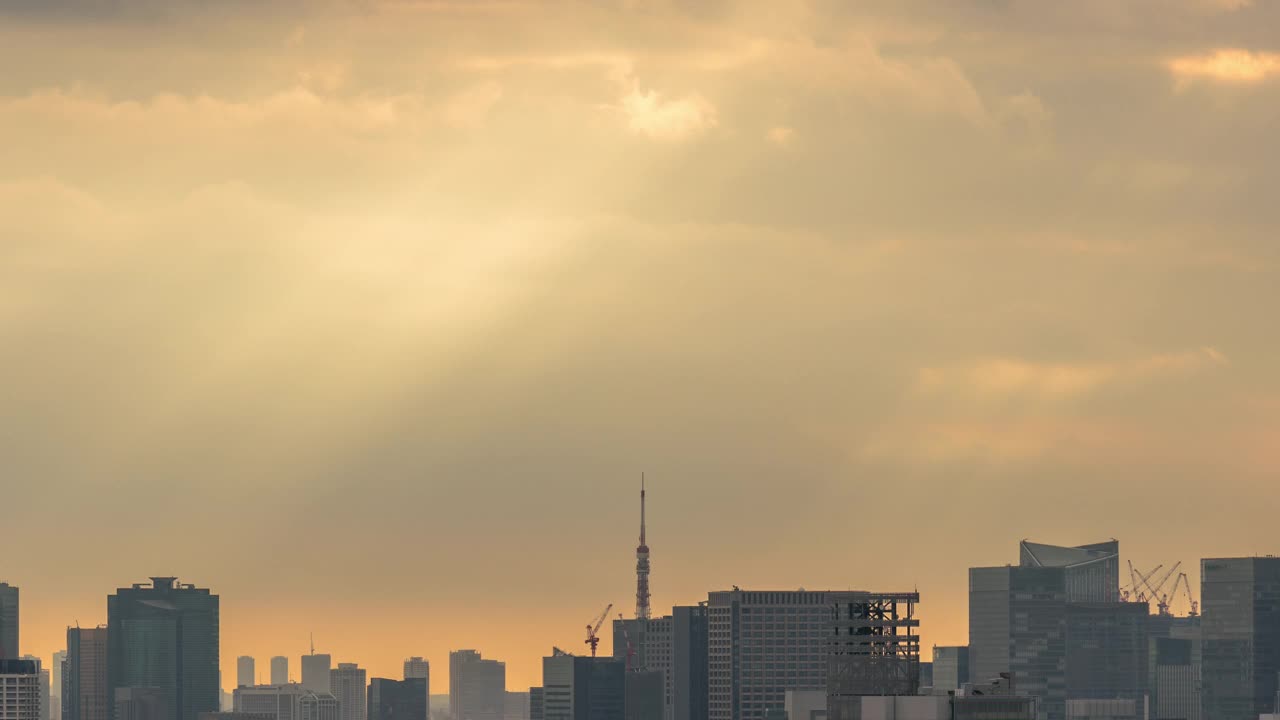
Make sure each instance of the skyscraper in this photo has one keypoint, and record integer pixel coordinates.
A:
(316, 670)
(676, 646)
(84, 678)
(1091, 572)
(398, 699)
(165, 635)
(1240, 599)
(583, 688)
(418, 668)
(246, 674)
(19, 690)
(477, 687)
(281, 702)
(347, 684)
(319, 706)
(762, 644)
(1107, 654)
(135, 703)
(55, 701)
(8, 622)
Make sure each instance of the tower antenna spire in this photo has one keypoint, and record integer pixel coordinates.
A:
(642, 563)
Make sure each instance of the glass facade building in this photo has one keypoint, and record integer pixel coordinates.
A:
(398, 699)
(1240, 646)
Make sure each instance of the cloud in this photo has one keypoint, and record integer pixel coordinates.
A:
(649, 114)
(1227, 65)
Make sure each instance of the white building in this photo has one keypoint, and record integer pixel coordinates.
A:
(349, 685)
(318, 706)
(281, 702)
(19, 690)
(316, 670)
(279, 670)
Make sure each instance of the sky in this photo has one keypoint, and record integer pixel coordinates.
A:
(369, 314)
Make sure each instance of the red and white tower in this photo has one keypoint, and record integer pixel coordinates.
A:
(642, 565)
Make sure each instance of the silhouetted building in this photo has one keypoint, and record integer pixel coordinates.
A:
(477, 687)
(279, 670)
(397, 699)
(1091, 572)
(19, 690)
(1106, 664)
(55, 701)
(319, 706)
(136, 703)
(644, 693)
(676, 645)
(246, 672)
(165, 636)
(872, 649)
(347, 684)
(84, 676)
(416, 667)
(9, 621)
(43, 681)
(1173, 690)
(584, 688)
(516, 706)
(316, 671)
(232, 715)
(761, 644)
(536, 704)
(950, 667)
(926, 678)
(1241, 636)
(281, 702)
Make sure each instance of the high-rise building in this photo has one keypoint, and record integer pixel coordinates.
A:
(246, 673)
(584, 688)
(644, 695)
(8, 621)
(55, 700)
(281, 702)
(398, 699)
(1106, 661)
(950, 667)
(319, 706)
(536, 704)
(516, 706)
(347, 684)
(761, 644)
(1091, 572)
(872, 649)
(165, 635)
(1173, 692)
(137, 703)
(1240, 600)
(676, 646)
(279, 670)
(477, 687)
(419, 668)
(316, 671)
(84, 676)
(19, 690)
(43, 674)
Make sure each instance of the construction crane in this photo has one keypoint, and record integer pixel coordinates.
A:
(1186, 584)
(631, 650)
(592, 638)
(1139, 579)
(1162, 601)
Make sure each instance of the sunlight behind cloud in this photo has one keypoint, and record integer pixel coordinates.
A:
(1229, 65)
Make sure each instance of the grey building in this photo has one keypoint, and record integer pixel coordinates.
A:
(1240, 599)
(141, 704)
(950, 667)
(9, 621)
(872, 649)
(316, 669)
(583, 688)
(516, 706)
(398, 699)
(281, 702)
(319, 706)
(55, 702)
(536, 704)
(279, 670)
(676, 646)
(165, 635)
(347, 684)
(1092, 572)
(761, 644)
(85, 694)
(43, 674)
(644, 695)
(232, 715)
(246, 672)
(19, 690)
(477, 687)
(1107, 656)
(1174, 694)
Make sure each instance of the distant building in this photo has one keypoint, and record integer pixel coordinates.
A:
(675, 645)
(43, 674)
(136, 703)
(1173, 687)
(872, 649)
(1091, 572)
(55, 700)
(416, 667)
(516, 706)
(281, 702)
(319, 706)
(279, 670)
(316, 669)
(644, 695)
(536, 704)
(19, 690)
(1106, 660)
(246, 673)
(165, 635)
(806, 705)
(950, 667)
(761, 644)
(583, 688)
(347, 684)
(1241, 636)
(84, 676)
(477, 687)
(9, 621)
(398, 699)
(232, 715)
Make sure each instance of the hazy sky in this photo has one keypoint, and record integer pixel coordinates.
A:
(369, 314)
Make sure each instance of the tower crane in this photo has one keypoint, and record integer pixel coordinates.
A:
(592, 638)
(1139, 579)
(1162, 601)
(631, 650)
(1186, 584)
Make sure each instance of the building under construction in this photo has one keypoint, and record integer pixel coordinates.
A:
(873, 648)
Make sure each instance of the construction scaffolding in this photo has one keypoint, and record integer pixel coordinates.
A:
(873, 649)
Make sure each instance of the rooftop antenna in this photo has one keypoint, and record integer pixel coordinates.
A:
(313, 643)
